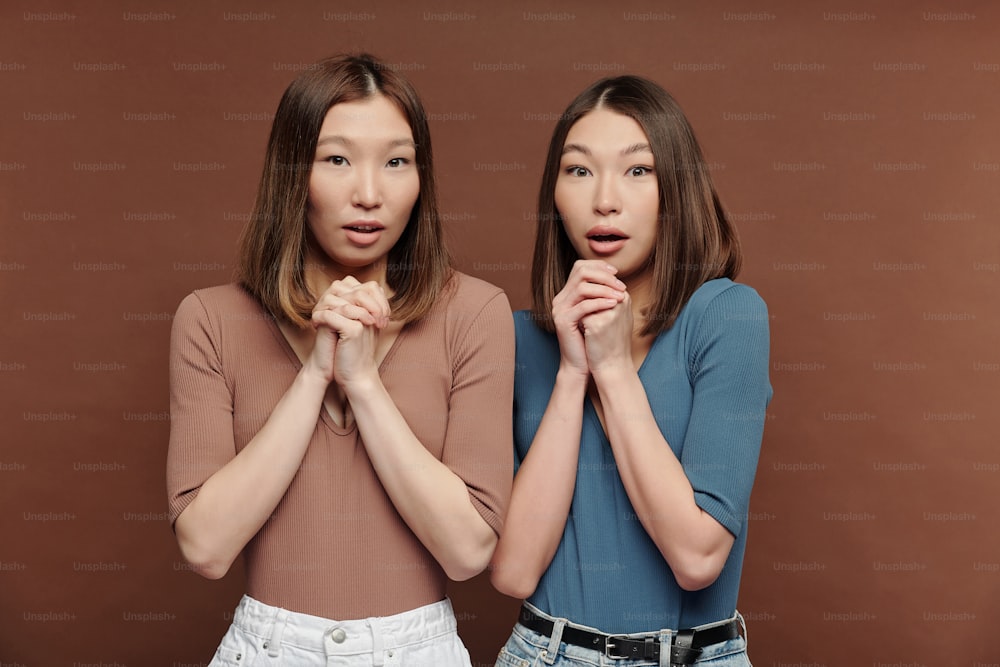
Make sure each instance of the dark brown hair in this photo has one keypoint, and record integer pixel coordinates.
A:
(272, 254)
(695, 241)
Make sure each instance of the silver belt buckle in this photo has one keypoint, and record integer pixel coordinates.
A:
(610, 645)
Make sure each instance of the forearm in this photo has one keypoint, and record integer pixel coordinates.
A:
(542, 493)
(233, 504)
(433, 500)
(692, 542)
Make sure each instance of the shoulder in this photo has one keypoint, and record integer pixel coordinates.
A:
(533, 340)
(465, 290)
(725, 302)
(230, 295)
(723, 317)
(526, 322)
(217, 304)
(465, 298)
(732, 293)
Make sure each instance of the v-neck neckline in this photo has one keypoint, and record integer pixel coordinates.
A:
(325, 416)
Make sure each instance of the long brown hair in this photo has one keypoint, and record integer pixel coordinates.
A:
(695, 241)
(272, 254)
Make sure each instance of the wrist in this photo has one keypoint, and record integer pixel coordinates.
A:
(312, 379)
(359, 386)
(613, 372)
(571, 377)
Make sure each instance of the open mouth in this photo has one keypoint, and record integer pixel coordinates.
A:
(606, 240)
(365, 229)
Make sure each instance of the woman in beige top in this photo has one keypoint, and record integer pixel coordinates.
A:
(341, 414)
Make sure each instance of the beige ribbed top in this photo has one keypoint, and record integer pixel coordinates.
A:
(335, 545)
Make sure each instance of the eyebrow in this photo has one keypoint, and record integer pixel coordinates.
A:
(339, 139)
(637, 148)
(628, 150)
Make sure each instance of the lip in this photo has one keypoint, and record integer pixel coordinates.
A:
(605, 230)
(606, 240)
(363, 233)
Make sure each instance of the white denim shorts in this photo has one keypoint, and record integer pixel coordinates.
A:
(266, 636)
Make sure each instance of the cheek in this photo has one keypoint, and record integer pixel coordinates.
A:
(564, 202)
(413, 192)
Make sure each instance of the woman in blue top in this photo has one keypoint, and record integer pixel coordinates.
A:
(639, 399)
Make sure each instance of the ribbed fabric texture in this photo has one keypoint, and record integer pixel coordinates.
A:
(706, 380)
(335, 546)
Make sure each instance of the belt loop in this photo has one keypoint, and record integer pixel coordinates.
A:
(666, 639)
(743, 624)
(378, 650)
(552, 652)
(274, 643)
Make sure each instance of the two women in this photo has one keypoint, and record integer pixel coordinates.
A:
(341, 415)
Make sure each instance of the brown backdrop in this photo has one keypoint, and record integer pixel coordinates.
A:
(856, 145)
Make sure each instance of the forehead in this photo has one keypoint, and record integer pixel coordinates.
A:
(604, 127)
(376, 117)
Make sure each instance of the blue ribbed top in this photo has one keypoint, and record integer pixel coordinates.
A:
(706, 379)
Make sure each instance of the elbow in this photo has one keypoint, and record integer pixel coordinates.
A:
(210, 571)
(204, 564)
(513, 580)
(471, 559)
(695, 582)
(203, 559)
(512, 585)
(698, 571)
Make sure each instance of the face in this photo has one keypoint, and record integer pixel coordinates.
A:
(363, 186)
(607, 192)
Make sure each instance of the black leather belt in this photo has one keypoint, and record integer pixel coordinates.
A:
(684, 650)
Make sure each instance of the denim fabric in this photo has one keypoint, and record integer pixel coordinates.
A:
(266, 636)
(527, 648)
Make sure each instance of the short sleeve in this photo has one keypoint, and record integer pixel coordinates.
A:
(731, 390)
(201, 406)
(479, 442)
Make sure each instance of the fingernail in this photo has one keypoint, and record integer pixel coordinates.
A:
(619, 284)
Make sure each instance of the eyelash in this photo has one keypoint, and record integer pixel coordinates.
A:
(340, 160)
(576, 171)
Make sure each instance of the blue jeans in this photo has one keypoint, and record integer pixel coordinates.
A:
(527, 648)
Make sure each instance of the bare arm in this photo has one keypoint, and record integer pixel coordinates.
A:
(729, 377)
(692, 542)
(234, 503)
(432, 499)
(543, 492)
(543, 487)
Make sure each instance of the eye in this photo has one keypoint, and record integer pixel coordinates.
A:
(337, 160)
(640, 171)
(577, 171)
(397, 162)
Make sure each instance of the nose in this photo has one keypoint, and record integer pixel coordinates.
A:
(607, 198)
(367, 189)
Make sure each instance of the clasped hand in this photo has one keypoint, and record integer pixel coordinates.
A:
(348, 318)
(592, 315)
